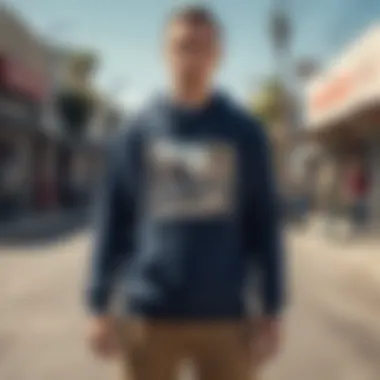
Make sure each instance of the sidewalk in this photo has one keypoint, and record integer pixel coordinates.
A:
(44, 227)
(335, 235)
(358, 258)
(349, 288)
(340, 229)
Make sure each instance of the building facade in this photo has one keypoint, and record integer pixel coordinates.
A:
(343, 115)
(43, 164)
(23, 87)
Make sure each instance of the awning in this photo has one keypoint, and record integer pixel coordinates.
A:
(351, 84)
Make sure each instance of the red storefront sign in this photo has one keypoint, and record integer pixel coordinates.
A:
(20, 79)
(343, 87)
(335, 92)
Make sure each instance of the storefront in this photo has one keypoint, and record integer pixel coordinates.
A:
(78, 167)
(36, 154)
(16, 153)
(21, 95)
(343, 114)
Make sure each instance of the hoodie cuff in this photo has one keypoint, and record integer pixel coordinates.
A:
(98, 300)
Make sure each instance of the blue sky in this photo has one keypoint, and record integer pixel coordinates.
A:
(127, 35)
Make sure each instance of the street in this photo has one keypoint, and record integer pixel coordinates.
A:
(332, 331)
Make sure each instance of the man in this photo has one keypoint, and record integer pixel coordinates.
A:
(184, 260)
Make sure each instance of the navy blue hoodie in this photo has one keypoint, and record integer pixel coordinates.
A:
(188, 211)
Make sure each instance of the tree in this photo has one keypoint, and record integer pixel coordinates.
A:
(75, 110)
(268, 103)
(77, 99)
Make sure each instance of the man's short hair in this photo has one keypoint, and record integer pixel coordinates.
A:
(197, 15)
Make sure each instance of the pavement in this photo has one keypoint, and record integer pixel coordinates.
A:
(332, 330)
(43, 227)
(358, 256)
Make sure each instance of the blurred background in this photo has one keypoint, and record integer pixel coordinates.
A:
(73, 72)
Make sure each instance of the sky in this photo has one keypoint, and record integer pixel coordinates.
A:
(127, 35)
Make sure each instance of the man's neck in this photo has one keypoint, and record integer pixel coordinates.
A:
(192, 99)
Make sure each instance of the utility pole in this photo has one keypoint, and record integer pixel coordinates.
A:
(280, 33)
(280, 30)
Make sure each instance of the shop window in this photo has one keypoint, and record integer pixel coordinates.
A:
(10, 178)
(75, 112)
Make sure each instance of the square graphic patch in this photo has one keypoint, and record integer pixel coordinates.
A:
(190, 179)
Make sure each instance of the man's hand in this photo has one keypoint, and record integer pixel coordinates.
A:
(266, 338)
(102, 336)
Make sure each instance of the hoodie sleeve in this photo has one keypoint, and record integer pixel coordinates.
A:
(263, 218)
(114, 223)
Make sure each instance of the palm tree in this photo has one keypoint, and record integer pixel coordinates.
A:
(268, 105)
(78, 99)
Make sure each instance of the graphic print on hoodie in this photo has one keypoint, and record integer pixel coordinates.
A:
(191, 179)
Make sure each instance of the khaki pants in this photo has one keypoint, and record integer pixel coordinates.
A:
(155, 350)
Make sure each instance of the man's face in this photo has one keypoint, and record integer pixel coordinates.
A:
(192, 53)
